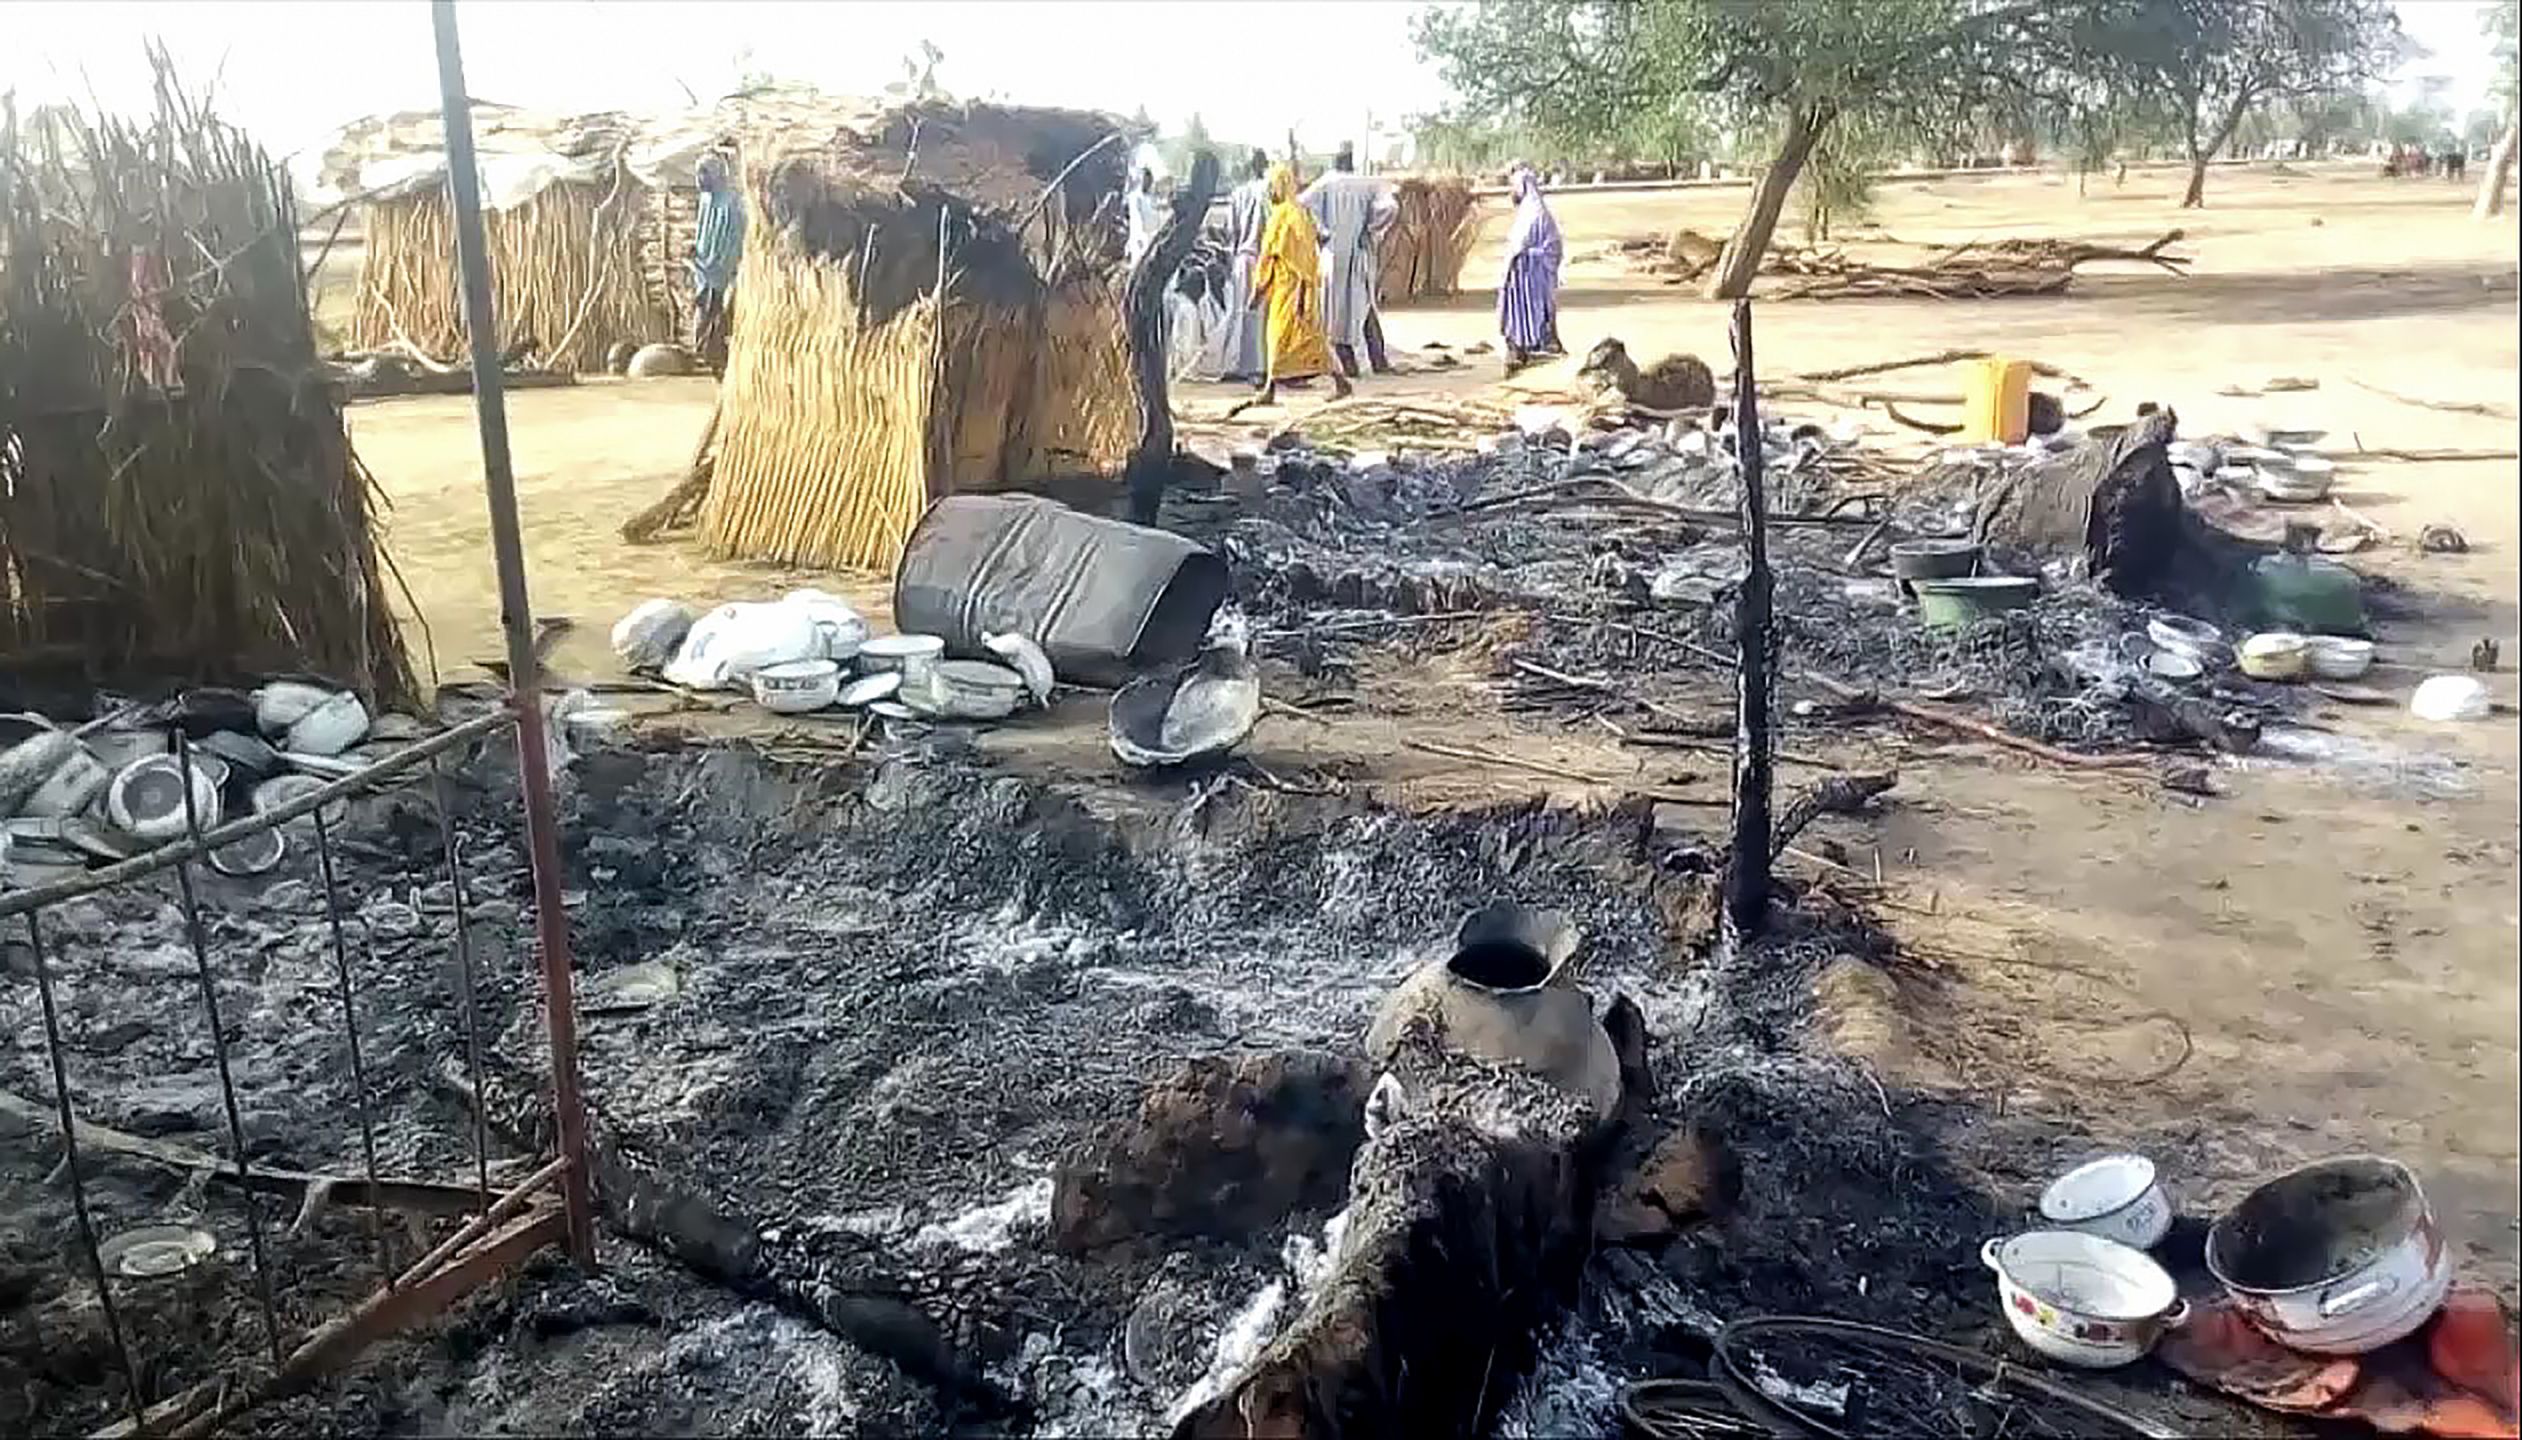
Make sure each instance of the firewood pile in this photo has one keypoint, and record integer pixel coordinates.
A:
(1976, 270)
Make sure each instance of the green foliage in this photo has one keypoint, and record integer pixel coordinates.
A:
(1592, 70)
(2503, 27)
(2204, 66)
(919, 75)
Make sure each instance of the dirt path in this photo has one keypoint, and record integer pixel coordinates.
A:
(2337, 943)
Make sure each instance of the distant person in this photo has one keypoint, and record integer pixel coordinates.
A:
(2455, 163)
(1146, 214)
(1352, 212)
(1247, 215)
(1287, 280)
(1528, 294)
(717, 252)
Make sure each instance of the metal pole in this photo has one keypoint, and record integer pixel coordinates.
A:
(516, 615)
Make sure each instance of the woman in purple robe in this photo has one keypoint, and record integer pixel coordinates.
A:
(1528, 295)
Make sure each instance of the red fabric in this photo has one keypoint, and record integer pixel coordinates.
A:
(2459, 1378)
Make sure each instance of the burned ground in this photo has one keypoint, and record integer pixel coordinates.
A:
(899, 1002)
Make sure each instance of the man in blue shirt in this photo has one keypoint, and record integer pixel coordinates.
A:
(717, 249)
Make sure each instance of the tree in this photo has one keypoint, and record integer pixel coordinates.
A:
(2504, 33)
(1587, 68)
(919, 75)
(2209, 64)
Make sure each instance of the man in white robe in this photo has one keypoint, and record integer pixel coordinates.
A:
(1146, 215)
(1353, 212)
(1247, 211)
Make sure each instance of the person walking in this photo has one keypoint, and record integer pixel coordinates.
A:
(1352, 212)
(1528, 293)
(717, 253)
(1287, 283)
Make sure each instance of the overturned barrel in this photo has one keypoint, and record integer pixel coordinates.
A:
(1103, 598)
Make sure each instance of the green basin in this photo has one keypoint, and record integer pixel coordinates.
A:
(1964, 601)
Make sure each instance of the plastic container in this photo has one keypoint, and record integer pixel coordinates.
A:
(2307, 595)
(1996, 401)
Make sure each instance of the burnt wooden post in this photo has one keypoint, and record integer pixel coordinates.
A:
(1143, 319)
(1755, 649)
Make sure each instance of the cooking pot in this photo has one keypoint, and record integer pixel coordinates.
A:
(2339, 1257)
(1506, 995)
(2082, 1299)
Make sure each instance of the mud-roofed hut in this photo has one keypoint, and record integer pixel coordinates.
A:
(930, 304)
(578, 211)
(178, 495)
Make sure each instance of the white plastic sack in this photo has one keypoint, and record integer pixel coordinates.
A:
(731, 642)
(651, 633)
(2449, 697)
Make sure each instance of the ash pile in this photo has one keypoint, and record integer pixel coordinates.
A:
(1620, 550)
(945, 1101)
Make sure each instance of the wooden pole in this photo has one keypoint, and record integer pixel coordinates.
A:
(1755, 650)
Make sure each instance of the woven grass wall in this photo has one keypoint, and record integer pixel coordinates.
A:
(570, 271)
(1082, 409)
(178, 495)
(824, 443)
(1423, 253)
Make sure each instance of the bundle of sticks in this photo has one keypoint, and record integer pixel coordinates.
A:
(1972, 271)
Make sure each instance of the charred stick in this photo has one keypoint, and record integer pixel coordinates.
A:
(1755, 649)
(1143, 317)
(1833, 795)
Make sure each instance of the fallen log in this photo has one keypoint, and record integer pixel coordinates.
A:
(845, 1283)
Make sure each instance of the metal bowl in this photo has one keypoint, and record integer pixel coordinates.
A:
(155, 1252)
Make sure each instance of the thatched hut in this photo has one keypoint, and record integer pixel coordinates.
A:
(576, 211)
(178, 496)
(930, 304)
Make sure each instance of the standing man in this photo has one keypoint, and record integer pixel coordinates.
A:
(1353, 212)
(1146, 214)
(717, 251)
(1247, 215)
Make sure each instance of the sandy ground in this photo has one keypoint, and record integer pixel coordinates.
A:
(2336, 943)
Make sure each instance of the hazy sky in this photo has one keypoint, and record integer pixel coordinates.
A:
(295, 69)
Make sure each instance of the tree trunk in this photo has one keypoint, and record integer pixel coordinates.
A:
(2491, 186)
(2196, 195)
(1740, 264)
(1143, 320)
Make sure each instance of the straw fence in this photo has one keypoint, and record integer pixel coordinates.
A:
(1423, 254)
(570, 275)
(178, 496)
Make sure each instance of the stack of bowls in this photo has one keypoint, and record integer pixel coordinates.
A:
(2194, 640)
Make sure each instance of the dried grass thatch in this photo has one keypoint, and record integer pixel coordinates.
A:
(894, 343)
(178, 496)
(1423, 254)
(571, 275)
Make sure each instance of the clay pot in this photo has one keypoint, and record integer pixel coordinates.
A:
(1506, 995)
